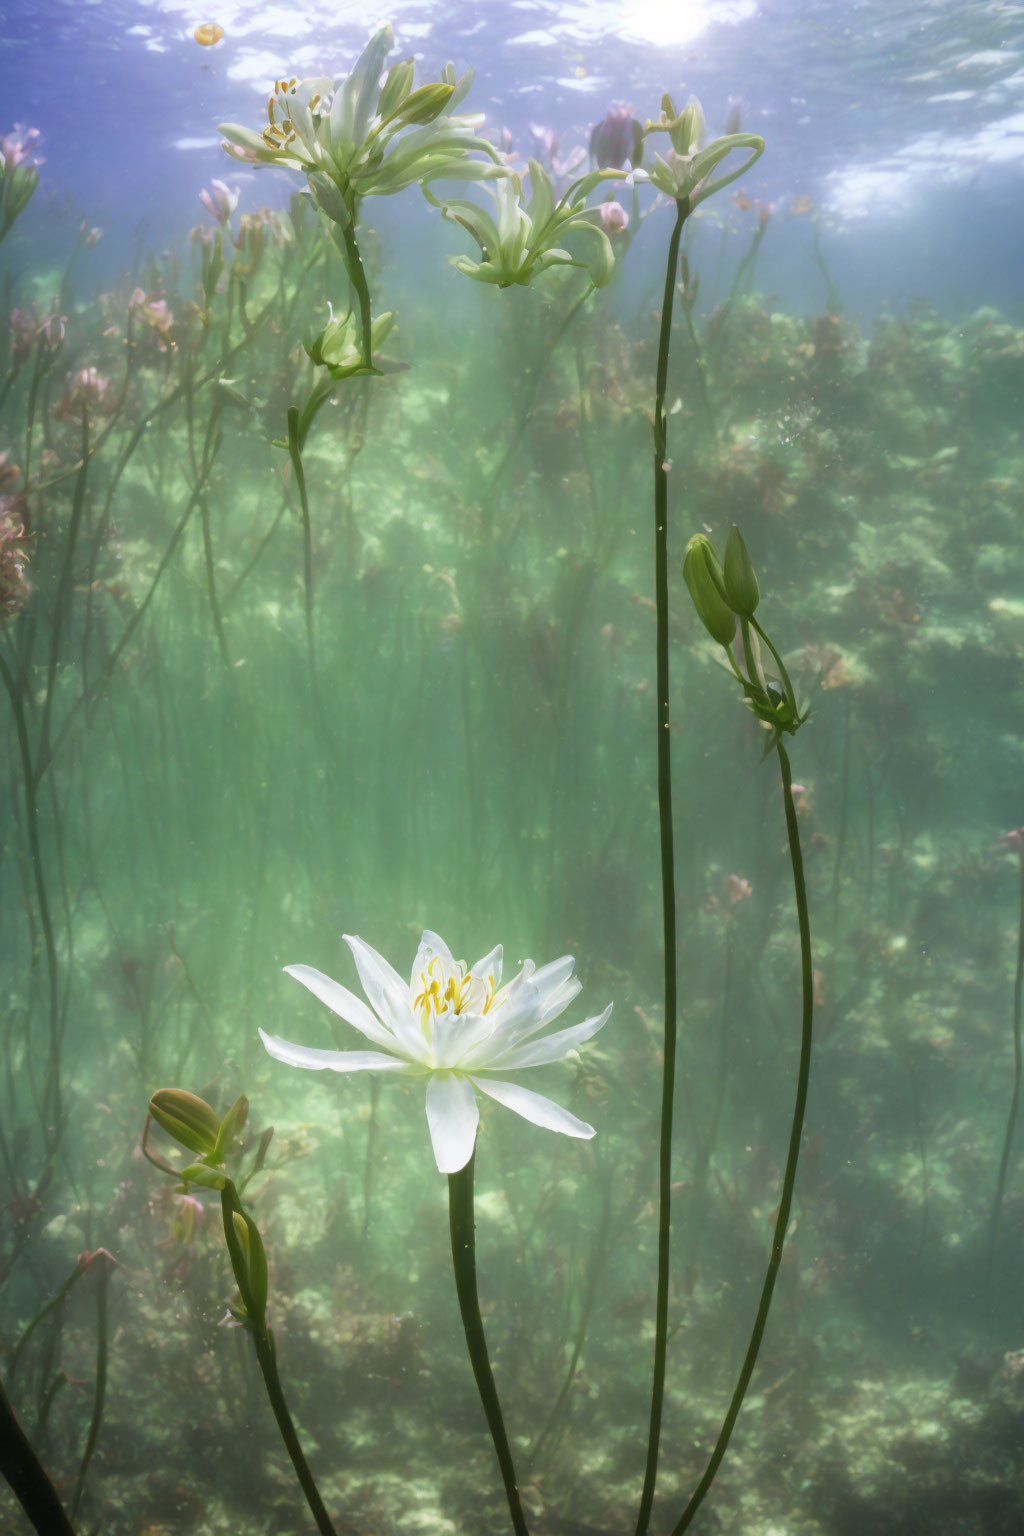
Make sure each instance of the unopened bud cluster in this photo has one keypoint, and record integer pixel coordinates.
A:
(726, 592)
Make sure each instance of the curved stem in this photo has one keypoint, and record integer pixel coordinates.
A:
(295, 454)
(795, 1134)
(103, 1265)
(266, 1355)
(65, 592)
(1004, 1161)
(463, 1236)
(55, 1300)
(110, 665)
(357, 277)
(783, 674)
(27, 1476)
(668, 879)
(754, 673)
(30, 787)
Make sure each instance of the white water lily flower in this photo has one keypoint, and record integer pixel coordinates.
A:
(458, 1028)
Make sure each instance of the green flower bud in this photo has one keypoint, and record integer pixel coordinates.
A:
(425, 103)
(255, 1257)
(703, 576)
(741, 589)
(688, 129)
(396, 88)
(186, 1117)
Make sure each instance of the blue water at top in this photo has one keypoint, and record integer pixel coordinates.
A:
(903, 122)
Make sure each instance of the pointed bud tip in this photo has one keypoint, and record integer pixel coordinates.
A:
(741, 588)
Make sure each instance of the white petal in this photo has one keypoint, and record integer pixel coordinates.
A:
(452, 1116)
(448, 1031)
(489, 967)
(431, 945)
(533, 998)
(534, 1107)
(332, 1061)
(344, 1003)
(539, 1052)
(474, 1039)
(388, 994)
(544, 1009)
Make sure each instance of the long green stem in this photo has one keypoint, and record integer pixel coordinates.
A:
(1004, 1161)
(463, 1235)
(27, 1476)
(266, 1356)
(53, 1111)
(103, 1264)
(496, 476)
(668, 878)
(138, 613)
(357, 277)
(44, 1311)
(555, 1425)
(65, 594)
(295, 454)
(795, 1135)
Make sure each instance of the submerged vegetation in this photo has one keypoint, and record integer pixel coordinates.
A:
(313, 627)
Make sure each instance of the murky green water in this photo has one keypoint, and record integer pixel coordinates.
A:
(237, 730)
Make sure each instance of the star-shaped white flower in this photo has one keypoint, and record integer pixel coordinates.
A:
(458, 1028)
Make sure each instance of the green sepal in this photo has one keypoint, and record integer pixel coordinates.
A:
(774, 707)
(204, 1175)
(230, 1126)
(329, 198)
(396, 88)
(423, 105)
(187, 1118)
(253, 1280)
(259, 1279)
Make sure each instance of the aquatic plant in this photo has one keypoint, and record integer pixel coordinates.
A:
(14, 558)
(354, 138)
(723, 594)
(19, 175)
(486, 645)
(618, 137)
(524, 238)
(458, 1026)
(196, 1126)
(27, 1476)
(1014, 840)
(684, 176)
